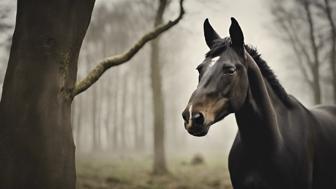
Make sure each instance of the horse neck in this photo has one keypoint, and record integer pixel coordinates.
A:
(257, 119)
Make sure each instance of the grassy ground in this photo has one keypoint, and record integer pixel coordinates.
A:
(105, 172)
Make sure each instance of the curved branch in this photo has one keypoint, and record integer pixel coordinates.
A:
(119, 59)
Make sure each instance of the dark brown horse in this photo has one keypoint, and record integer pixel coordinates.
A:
(280, 144)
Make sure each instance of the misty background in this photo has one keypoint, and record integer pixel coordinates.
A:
(115, 115)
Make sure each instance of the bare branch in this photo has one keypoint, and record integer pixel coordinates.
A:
(301, 63)
(312, 36)
(300, 43)
(329, 13)
(297, 47)
(116, 60)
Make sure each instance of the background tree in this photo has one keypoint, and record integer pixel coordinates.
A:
(160, 166)
(327, 10)
(303, 29)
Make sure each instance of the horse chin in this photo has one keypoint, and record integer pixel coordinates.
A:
(199, 133)
(198, 130)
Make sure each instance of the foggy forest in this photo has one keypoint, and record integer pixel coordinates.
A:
(93, 91)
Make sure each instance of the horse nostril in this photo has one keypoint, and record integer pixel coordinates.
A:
(185, 116)
(198, 118)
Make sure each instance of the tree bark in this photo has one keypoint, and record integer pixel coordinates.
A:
(36, 143)
(160, 166)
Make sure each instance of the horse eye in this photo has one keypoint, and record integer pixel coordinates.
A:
(229, 70)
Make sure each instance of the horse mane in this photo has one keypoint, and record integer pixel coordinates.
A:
(221, 45)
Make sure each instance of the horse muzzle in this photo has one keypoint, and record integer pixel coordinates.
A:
(195, 123)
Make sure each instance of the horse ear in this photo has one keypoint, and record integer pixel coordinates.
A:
(236, 35)
(209, 34)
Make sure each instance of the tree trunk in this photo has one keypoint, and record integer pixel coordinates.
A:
(316, 85)
(111, 111)
(135, 108)
(94, 126)
(143, 111)
(158, 103)
(123, 122)
(107, 117)
(313, 43)
(116, 111)
(158, 109)
(98, 116)
(37, 149)
(332, 60)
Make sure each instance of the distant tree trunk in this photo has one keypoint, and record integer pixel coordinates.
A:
(123, 122)
(108, 110)
(135, 108)
(111, 111)
(37, 148)
(94, 126)
(98, 116)
(316, 86)
(316, 62)
(332, 60)
(116, 111)
(160, 166)
(142, 130)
